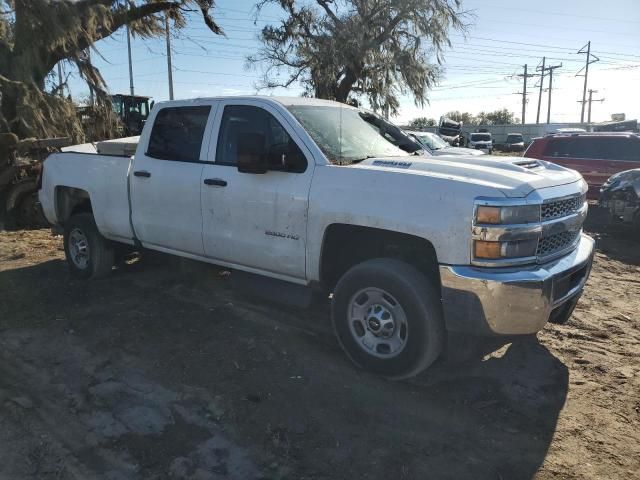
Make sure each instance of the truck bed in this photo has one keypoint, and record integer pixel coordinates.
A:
(103, 178)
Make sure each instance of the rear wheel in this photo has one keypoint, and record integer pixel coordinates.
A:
(88, 253)
(388, 318)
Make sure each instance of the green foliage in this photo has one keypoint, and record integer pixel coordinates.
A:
(422, 122)
(497, 117)
(359, 48)
(464, 117)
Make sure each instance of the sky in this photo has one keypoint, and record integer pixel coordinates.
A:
(480, 68)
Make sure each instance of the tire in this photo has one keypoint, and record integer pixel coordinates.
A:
(389, 291)
(88, 253)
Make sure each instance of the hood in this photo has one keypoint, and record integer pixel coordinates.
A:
(458, 151)
(623, 181)
(513, 176)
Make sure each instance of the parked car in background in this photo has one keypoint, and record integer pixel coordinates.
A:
(596, 156)
(514, 143)
(620, 195)
(481, 141)
(437, 146)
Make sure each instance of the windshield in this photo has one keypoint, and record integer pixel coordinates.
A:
(480, 137)
(347, 135)
(514, 138)
(432, 141)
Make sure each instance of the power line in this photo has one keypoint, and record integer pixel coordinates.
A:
(550, 70)
(542, 70)
(524, 76)
(586, 74)
(547, 12)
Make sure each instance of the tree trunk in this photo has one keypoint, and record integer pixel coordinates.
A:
(343, 89)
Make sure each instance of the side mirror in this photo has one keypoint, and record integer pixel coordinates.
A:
(286, 157)
(250, 154)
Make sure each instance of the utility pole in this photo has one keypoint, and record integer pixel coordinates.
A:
(60, 88)
(169, 69)
(524, 76)
(130, 64)
(591, 100)
(541, 82)
(586, 74)
(550, 69)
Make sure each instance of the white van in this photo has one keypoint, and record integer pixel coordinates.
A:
(481, 141)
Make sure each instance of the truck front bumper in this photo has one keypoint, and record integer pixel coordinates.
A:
(513, 301)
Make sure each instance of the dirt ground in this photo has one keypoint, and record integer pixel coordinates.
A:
(164, 371)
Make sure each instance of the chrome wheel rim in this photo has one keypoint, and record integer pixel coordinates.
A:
(79, 248)
(378, 323)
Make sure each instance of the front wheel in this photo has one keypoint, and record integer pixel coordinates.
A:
(388, 318)
(88, 253)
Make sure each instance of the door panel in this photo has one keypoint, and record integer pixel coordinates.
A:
(166, 208)
(255, 220)
(165, 180)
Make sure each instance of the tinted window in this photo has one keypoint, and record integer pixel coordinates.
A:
(558, 147)
(177, 133)
(587, 147)
(618, 148)
(630, 149)
(240, 120)
(594, 147)
(480, 137)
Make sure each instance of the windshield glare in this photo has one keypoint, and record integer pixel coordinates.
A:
(348, 135)
(432, 141)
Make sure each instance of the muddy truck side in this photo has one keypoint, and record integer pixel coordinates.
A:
(314, 194)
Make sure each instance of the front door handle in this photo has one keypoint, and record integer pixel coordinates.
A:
(215, 182)
(142, 173)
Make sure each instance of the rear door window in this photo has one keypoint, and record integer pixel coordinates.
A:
(559, 148)
(177, 133)
(588, 147)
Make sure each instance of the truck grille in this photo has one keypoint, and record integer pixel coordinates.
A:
(556, 243)
(562, 208)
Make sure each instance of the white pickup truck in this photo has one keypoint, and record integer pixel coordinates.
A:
(328, 196)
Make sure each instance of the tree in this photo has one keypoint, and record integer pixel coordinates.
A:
(37, 34)
(464, 117)
(341, 49)
(499, 117)
(422, 122)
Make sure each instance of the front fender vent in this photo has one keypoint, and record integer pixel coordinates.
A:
(529, 164)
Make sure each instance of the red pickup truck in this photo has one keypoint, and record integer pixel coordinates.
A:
(596, 156)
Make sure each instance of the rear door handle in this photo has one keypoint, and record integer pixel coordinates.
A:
(215, 182)
(142, 173)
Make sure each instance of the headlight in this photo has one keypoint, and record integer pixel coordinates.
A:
(509, 215)
(496, 250)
